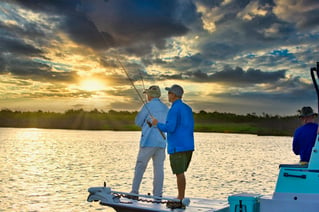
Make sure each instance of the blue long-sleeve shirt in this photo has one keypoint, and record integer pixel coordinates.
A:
(304, 140)
(179, 126)
(151, 136)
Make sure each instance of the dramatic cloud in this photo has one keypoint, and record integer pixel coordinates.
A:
(233, 56)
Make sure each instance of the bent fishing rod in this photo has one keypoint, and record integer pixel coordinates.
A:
(139, 95)
(132, 83)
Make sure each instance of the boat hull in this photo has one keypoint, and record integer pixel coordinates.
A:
(195, 206)
(119, 202)
(304, 202)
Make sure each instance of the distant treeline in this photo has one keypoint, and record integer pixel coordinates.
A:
(124, 121)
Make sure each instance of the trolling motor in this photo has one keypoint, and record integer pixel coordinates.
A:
(314, 159)
(313, 77)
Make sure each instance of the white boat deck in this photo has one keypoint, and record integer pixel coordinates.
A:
(196, 204)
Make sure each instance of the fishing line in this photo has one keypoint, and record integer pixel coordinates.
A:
(132, 83)
(141, 76)
(142, 79)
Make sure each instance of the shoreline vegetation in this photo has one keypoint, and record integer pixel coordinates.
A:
(124, 121)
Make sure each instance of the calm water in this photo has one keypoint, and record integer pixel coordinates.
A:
(51, 170)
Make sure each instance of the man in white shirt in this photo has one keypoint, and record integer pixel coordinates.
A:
(152, 142)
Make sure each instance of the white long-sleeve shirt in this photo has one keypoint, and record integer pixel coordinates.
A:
(151, 136)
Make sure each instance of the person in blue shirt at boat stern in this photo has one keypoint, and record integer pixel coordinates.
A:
(305, 136)
(179, 127)
(152, 142)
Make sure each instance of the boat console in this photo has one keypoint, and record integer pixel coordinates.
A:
(297, 187)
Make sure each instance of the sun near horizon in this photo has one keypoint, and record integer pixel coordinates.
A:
(92, 84)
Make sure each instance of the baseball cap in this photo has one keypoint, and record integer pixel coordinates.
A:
(153, 91)
(176, 89)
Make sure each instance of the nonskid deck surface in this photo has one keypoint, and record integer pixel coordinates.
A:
(196, 204)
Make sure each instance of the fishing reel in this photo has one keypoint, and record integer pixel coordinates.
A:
(149, 123)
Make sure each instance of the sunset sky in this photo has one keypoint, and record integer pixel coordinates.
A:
(236, 56)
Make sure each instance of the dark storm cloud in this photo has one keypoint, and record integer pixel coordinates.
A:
(286, 97)
(145, 21)
(83, 31)
(29, 30)
(2, 65)
(183, 64)
(48, 6)
(210, 3)
(196, 68)
(17, 47)
(235, 34)
(251, 76)
(301, 94)
(28, 69)
(12, 39)
(101, 24)
(304, 14)
(70, 20)
(311, 20)
(235, 77)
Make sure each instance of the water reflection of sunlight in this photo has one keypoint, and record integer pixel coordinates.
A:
(29, 134)
(34, 156)
(50, 170)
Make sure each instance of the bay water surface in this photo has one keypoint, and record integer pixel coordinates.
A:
(51, 169)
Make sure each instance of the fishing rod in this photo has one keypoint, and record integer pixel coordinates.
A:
(132, 83)
(139, 95)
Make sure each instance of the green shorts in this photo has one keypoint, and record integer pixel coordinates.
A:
(180, 161)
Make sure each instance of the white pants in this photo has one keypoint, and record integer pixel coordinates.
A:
(144, 155)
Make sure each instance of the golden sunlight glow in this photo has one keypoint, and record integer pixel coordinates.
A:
(92, 84)
(29, 134)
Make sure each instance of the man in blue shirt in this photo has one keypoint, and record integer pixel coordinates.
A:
(179, 126)
(152, 142)
(305, 136)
